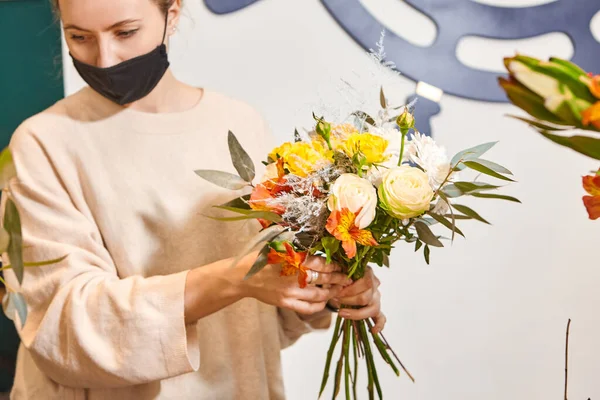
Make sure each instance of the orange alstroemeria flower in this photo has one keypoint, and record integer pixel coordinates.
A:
(260, 200)
(341, 225)
(592, 116)
(591, 184)
(595, 85)
(292, 262)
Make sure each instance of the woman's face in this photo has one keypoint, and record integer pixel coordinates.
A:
(104, 33)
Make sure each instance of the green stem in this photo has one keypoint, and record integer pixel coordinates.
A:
(402, 147)
(336, 336)
(346, 352)
(355, 345)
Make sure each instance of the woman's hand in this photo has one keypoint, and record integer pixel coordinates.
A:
(270, 287)
(364, 292)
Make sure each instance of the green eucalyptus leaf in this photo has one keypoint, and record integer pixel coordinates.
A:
(493, 166)
(7, 167)
(382, 100)
(14, 304)
(458, 216)
(470, 212)
(474, 187)
(260, 263)
(496, 196)
(451, 191)
(244, 211)
(239, 202)
(426, 235)
(266, 215)
(363, 116)
(241, 160)
(472, 153)
(12, 224)
(4, 240)
(448, 224)
(474, 165)
(427, 253)
(264, 236)
(386, 260)
(418, 245)
(222, 179)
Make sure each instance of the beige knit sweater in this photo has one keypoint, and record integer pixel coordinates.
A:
(115, 190)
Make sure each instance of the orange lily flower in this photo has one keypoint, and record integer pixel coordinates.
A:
(591, 184)
(292, 262)
(592, 116)
(341, 225)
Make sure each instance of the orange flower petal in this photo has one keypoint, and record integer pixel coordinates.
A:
(259, 200)
(595, 86)
(591, 116)
(592, 205)
(591, 184)
(349, 247)
(364, 237)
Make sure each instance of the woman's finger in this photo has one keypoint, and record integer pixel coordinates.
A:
(361, 285)
(362, 299)
(380, 321)
(313, 294)
(334, 278)
(370, 311)
(317, 263)
(303, 307)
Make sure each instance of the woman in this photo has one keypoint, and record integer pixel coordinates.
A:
(146, 305)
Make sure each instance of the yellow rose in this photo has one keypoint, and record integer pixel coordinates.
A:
(302, 158)
(373, 147)
(280, 151)
(405, 192)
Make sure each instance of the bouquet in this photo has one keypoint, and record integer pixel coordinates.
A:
(349, 191)
(560, 96)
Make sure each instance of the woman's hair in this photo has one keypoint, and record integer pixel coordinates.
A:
(164, 5)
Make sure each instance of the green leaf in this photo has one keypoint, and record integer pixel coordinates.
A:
(474, 187)
(538, 124)
(244, 211)
(386, 260)
(266, 215)
(474, 165)
(472, 153)
(7, 167)
(447, 224)
(297, 137)
(260, 263)
(582, 144)
(426, 253)
(12, 224)
(382, 99)
(496, 196)
(4, 240)
(418, 245)
(37, 264)
(493, 166)
(468, 211)
(239, 202)
(264, 236)
(241, 160)
(457, 216)
(528, 101)
(14, 304)
(452, 191)
(222, 179)
(331, 246)
(426, 235)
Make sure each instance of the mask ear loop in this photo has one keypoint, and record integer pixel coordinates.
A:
(165, 31)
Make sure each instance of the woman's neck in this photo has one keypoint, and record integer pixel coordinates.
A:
(170, 95)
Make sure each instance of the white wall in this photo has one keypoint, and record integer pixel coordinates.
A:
(486, 320)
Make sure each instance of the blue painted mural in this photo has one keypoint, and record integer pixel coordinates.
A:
(438, 64)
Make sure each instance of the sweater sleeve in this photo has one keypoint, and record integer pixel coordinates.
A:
(86, 326)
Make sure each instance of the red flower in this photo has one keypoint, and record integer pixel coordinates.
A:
(291, 262)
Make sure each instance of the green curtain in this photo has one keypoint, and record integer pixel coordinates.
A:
(30, 81)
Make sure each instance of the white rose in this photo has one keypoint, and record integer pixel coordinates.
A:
(405, 192)
(354, 193)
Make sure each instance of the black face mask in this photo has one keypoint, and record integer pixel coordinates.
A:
(130, 80)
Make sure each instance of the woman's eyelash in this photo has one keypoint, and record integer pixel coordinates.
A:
(126, 34)
(78, 38)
